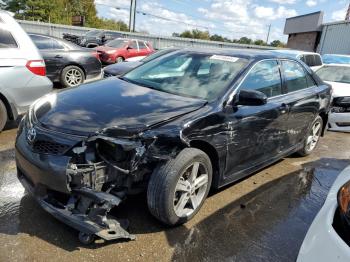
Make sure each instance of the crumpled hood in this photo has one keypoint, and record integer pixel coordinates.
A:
(110, 103)
(104, 48)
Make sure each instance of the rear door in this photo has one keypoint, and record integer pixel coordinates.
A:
(259, 131)
(53, 53)
(144, 50)
(303, 99)
(133, 49)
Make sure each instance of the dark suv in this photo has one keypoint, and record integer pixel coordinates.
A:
(174, 127)
(93, 38)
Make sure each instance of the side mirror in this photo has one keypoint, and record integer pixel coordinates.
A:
(251, 98)
(128, 47)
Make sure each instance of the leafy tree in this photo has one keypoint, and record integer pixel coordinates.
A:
(245, 40)
(277, 43)
(259, 42)
(217, 38)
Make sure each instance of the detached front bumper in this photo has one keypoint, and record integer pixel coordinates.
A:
(339, 122)
(45, 177)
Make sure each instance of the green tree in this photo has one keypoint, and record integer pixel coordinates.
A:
(186, 34)
(277, 43)
(245, 40)
(259, 42)
(217, 38)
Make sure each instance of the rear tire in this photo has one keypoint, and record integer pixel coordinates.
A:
(177, 189)
(312, 137)
(72, 76)
(3, 115)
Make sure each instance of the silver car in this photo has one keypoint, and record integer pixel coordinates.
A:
(22, 70)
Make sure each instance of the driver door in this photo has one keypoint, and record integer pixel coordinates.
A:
(257, 134)
(133, 49)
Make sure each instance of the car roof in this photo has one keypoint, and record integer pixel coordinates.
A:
(250, 54)
(336, 65)
(292, 52)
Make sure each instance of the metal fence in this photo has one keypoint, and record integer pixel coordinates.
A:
(157, 41)
(335, 38)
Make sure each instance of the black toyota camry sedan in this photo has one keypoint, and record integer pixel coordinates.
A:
(66, 62)
(174, 127)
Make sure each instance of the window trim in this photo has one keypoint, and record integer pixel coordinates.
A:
(305, 71)
(234, 92)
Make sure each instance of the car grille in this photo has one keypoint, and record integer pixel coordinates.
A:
(48, 147)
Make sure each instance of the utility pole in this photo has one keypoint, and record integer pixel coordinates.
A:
(347, 17)
(268, 34)
(132, 18)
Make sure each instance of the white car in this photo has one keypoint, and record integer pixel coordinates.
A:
(22, 70)
(313, 60)
(322, 242)
(339, 77)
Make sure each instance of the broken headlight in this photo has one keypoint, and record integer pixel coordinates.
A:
(344, 199)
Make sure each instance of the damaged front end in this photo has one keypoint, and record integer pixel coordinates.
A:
(101, 172)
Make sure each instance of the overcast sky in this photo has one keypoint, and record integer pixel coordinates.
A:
(230, 18)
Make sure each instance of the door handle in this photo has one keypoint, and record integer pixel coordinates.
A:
(58, 56)
(284, 108)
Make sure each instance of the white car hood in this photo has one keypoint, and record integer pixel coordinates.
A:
(340, 89)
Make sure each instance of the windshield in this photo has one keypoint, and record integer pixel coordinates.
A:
(93, 33)
(335, 74)
(336, 59)
(156, 54)
(203, 76)
(117, 43)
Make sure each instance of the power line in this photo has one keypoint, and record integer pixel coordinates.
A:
(156, 16)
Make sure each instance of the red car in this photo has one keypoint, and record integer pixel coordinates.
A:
(119, 49)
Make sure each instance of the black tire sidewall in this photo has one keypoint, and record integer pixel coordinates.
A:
(64, 72)
(304, 151)
(166, 196)
(3, 115)
(121, 59)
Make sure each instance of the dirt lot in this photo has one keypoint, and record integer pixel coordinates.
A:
(262, 218)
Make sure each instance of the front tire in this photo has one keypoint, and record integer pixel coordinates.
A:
(119, 59)
(3, 115)
(72, 76)
(312, 138)
(178, 188)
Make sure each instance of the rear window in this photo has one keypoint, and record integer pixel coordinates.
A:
(312, 60)
(7, 40)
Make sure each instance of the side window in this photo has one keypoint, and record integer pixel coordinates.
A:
(7, 40)
(264, 77)
(133, 44)
(56, 44)
(310, 81)
(302, 58)
(310, 60)
(295, 76)
(318, 60)
(45, 43)
(142, 45)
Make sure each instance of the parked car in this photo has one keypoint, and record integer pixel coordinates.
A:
(339, 77)
(22, 71)
(122, 68)
(93, 38)
(313, 60)
(118, 50)
(328, 237)
(67, 63)
(336, 59)
(225, 115)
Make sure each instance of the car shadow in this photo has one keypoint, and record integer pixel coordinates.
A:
(269, 222)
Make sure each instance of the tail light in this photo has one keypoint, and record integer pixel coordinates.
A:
(96, 54)
(37, 67)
